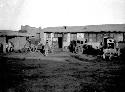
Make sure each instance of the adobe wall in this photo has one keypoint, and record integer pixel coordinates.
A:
(3, 41)
(18, 42)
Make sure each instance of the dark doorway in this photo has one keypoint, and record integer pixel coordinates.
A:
(60, 42)
(105, 42)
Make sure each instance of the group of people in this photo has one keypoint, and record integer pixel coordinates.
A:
(34, 45)
(72, 46)
(43, 48)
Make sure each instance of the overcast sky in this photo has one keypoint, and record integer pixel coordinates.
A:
(49, 13)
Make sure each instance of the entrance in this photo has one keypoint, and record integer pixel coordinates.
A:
(105, 42)
(60, 42)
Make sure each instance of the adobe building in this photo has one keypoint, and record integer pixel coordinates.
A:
(60, 37)
(18, 39)
(37, 33)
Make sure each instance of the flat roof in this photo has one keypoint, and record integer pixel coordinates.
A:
(88, 28)
(13, 33)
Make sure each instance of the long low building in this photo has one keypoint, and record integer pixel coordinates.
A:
(61, 36)
(18, 39)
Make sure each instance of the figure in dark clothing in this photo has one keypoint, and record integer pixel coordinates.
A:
(72, 46)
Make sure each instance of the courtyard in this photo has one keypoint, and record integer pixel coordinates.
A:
(60, 72)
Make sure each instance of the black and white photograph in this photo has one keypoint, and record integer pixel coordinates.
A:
(62, 45)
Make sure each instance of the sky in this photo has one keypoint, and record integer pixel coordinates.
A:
(50, 13)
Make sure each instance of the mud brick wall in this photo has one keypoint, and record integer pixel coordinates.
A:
(18, 42)
(3, 41)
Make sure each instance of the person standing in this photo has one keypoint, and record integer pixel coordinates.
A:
(46, 48)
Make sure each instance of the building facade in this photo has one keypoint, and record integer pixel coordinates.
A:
(60, 37)
(16, 38)
(36, 33)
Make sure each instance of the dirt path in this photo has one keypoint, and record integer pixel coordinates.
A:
(71, 75)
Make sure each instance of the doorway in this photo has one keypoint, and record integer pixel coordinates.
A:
(60, 42)
(105, 42)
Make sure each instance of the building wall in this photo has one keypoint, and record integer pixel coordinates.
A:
(3, 41)
(42, 37)
(18, 42)
(73, 36)
(86, 37)
(66, 40)
(48, 38)
(52, 36)
(52, 39)
(80, 36)
(98, 37)
(118, 37)
(93, 38)
(45, 38)
(36, 32)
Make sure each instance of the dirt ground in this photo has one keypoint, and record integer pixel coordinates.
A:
(61, 72)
